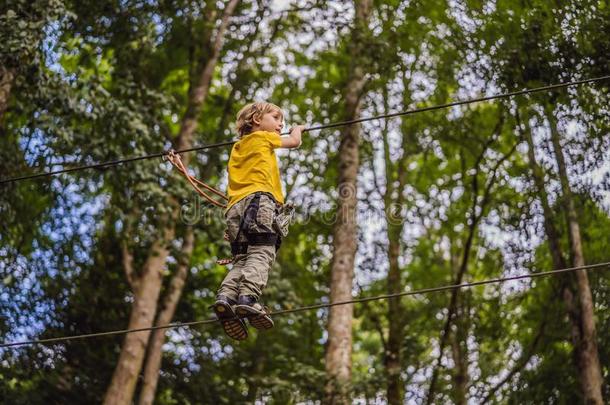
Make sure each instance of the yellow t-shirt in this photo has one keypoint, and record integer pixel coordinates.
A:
(253, 167)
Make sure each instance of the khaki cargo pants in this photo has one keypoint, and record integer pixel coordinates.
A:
(250, 271)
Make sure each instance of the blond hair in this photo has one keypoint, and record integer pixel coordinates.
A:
(246, 116)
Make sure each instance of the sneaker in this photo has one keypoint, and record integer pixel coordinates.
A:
(233, 326)
(249, 307)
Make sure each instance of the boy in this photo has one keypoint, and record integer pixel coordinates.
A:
(255, 196)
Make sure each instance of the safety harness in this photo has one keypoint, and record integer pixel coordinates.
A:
(268, 238)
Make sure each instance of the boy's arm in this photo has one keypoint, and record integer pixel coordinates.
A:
(294, 139)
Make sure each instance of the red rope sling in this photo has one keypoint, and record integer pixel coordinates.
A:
(176, 161)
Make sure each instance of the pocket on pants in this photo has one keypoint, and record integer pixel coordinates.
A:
(232, 218)
(265, 215)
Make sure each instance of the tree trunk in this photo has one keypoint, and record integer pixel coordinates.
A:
(552, 233)
(557, 256)
(125, 375)
(396, 321)
(458, 337)
(7, 77)
(176, 285)
(149, 281)
(459, 354)
(588, 358)
(339, 348)
(396, 179)
(203, 79)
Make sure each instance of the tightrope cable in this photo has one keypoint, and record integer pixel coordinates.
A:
(315, 128)
(316, 306)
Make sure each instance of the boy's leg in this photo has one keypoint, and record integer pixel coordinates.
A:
(228, 291)
(226, 299)
(254, 279)
(260, 258)
(230, 285)
(255, 271)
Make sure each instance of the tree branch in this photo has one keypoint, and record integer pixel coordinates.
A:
(467, 247)
(522, 362)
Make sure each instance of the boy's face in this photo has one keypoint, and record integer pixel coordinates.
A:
(270, 122)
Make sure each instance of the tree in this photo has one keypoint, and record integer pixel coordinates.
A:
(146, 284)
(520, 67)
(339, 346)
(23, 24)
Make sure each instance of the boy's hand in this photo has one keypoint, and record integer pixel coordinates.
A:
(299, 128)
(294, 139)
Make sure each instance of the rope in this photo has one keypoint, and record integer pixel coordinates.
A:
(332, 125)
(314, 307)
(176, 161)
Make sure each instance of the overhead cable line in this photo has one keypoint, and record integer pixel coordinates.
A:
(315, 128)
(316, 306)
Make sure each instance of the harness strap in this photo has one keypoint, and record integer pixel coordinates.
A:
(262, 238)
(239, 248)
(254, 238)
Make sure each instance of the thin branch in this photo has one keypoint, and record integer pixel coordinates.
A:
(522, 362)
(467, 247)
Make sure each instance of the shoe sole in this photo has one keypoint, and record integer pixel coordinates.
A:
(232, 325)
(257, 319)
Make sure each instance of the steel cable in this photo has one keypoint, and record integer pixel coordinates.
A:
(314, 307)
(316, 128)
